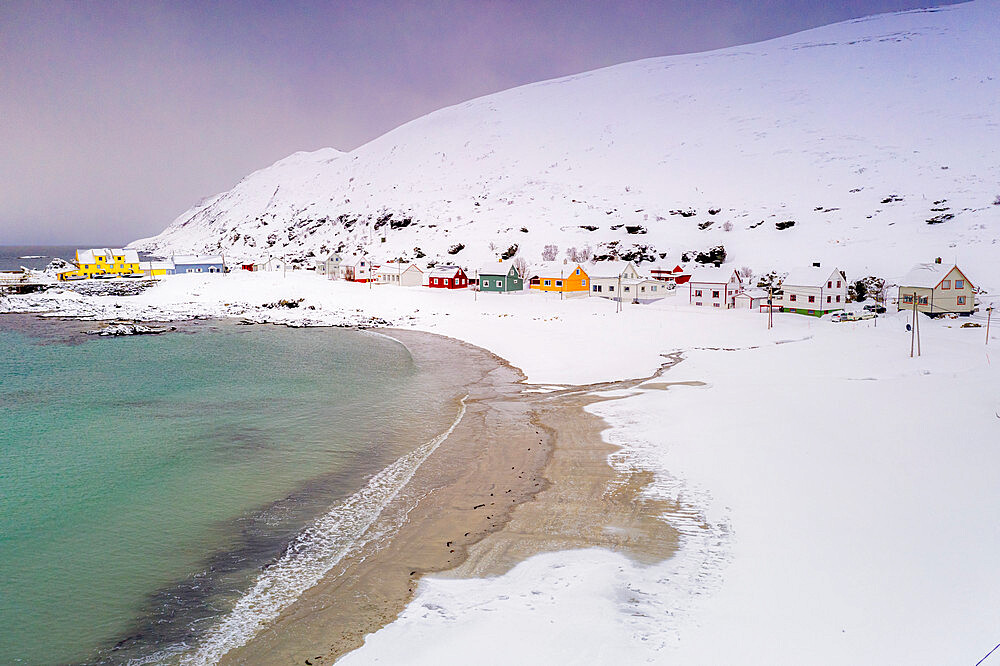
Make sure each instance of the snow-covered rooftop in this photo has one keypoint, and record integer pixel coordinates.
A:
(88, 256)
(926, 275)
(609, 269)
(197, 259)
(498, 268)
(809, 276)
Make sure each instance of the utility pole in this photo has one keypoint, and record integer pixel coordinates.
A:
(989, 313)
(913, 324)
(618, 305)
(562, 284)
(770, 307)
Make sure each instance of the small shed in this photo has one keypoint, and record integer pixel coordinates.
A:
(752, 298)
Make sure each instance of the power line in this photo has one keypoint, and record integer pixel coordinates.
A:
(988, 654)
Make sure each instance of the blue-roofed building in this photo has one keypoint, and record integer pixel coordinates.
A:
(197, 263)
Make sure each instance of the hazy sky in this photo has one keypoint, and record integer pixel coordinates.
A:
(115, 117)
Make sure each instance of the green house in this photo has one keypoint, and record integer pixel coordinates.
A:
(501, 277)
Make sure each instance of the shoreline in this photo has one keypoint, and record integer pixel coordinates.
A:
(524, 472)
(535, 445)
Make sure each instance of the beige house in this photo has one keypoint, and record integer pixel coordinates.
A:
(937, 289)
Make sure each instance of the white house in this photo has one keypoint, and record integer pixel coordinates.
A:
(938, 288)
(714, 288)
(813, 291)
(270, 264)
(356, 269)
(400, 274)
(330, 266)
(604, 276)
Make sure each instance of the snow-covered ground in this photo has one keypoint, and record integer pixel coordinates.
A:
(835, 496)
(837, 504)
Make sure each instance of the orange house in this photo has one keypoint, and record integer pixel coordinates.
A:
(560, 277)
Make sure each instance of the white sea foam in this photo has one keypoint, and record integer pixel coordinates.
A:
(313, 553)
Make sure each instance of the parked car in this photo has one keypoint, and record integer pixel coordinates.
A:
(865, 315)
(874, 307)
(840, 316)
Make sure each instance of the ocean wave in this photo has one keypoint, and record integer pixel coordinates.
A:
(307, 559)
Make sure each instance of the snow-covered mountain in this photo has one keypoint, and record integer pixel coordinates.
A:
(878, 138)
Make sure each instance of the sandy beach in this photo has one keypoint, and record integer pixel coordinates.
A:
(525, 471)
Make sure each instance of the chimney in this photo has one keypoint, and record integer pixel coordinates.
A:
(937, 260)
(816, 264)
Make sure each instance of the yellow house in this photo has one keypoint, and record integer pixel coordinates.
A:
(555, 276)
(103, 261)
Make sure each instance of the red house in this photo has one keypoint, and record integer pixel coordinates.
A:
(675, 274)
(447, 277)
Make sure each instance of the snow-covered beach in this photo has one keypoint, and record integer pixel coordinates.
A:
(832, 494)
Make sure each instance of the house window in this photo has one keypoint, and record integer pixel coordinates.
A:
(828, 299)
(558, 283)
(577, 271)
(838, 299)
(923, 300)
(594, 288)
(812, 299)
(697, 292)
(653, 288)
(959, 284)
(829, 284)
(715, 305)
(793, 297)
(838, 284)
(583, 283)
(612, 288)
(946, 284)
(626, 288)
(908, 299)
(697, 302)
(961, 300)
(548, 283)
(715, 294)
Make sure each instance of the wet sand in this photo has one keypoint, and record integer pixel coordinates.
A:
(523, 472)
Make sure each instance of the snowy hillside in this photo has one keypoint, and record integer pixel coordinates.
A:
(877, 137)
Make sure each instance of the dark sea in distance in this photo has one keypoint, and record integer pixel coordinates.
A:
(37, 257)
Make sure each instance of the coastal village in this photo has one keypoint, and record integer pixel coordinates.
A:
(936, 288)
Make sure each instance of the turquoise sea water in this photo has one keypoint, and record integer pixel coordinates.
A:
(145, 481)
